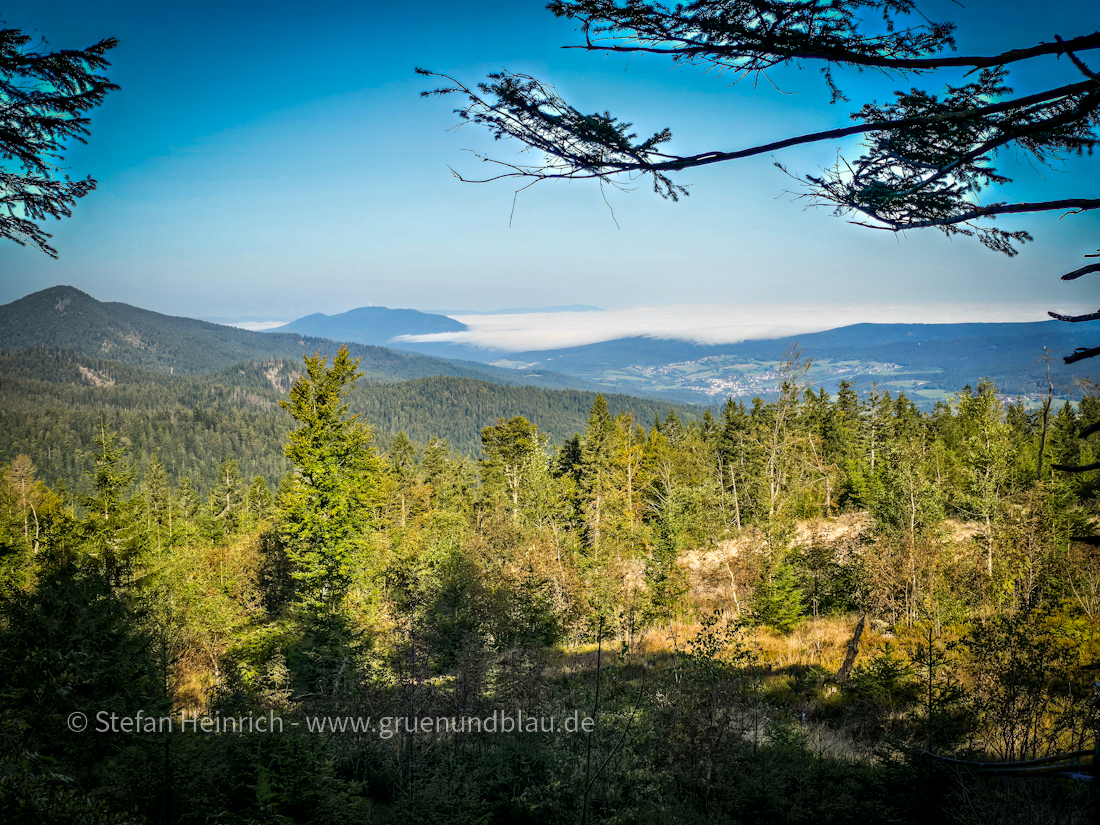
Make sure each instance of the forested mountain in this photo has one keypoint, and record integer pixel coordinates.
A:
(457, 409)
(52, 403)
(371, 325)
(65, 318)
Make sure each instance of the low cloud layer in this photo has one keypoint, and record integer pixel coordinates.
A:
(259, 326)
(704, 324)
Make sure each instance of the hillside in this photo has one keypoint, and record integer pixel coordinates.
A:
(51, 403)
(65, 318)
(459, 408)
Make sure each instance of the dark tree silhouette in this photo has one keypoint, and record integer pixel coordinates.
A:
(43, 100)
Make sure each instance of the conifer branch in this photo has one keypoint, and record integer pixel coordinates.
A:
(753, 36)
(1084, 468)
(43, 100)
(1080, 354)
(1077, 273)
(1075, 319)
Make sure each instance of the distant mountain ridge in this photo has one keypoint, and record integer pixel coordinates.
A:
(370, 325)
(647, 351)
(926, 359)
(516, 310)
(64, 318)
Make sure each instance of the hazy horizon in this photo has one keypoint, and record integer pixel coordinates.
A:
(527, 330)
(233, 182)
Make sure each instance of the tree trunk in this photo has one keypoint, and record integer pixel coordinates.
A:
(988, 546)
(1094, 788)
(596, 527)
(853, 651)
(736, 500)
(733, 587)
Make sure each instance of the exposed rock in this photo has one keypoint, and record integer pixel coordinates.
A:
(95, 378)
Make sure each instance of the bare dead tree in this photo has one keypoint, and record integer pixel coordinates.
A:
(852, 650)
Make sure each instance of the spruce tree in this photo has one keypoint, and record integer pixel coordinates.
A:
(448, 477)
(259, 503)
(112, 540)
(157, 502)
(737, 459)
(187, 501)
(227, 500)
(597, 446)
(987, 458)
(330, 506)
(778, 600)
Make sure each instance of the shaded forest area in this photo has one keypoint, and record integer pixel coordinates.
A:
(767, 613)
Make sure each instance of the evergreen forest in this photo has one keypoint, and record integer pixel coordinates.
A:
(783, 611)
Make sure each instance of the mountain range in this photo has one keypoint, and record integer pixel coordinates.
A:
(926, 361)
(371, 325)
(516, 310)
(191, 392)
(65, 318)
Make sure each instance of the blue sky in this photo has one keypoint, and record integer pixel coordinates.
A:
(274, 160)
